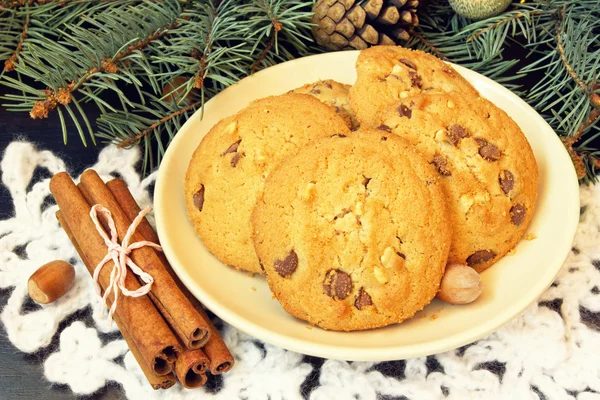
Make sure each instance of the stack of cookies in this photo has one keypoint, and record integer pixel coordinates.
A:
(352, 200)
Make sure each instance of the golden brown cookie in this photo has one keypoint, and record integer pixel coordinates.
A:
(387, 74)
(353, 231)
(227, 172)
(487, 169)
(333, 93)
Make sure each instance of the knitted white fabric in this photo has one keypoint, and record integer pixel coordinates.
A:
(548, 352)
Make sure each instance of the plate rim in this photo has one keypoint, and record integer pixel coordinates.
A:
(344, 352)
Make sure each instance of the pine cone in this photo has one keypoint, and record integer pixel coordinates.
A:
(346, 24)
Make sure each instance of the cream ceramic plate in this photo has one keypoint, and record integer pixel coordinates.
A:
(246, 303)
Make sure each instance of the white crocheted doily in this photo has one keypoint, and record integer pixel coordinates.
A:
(549, 352)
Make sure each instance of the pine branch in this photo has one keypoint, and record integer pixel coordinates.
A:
(101, 50)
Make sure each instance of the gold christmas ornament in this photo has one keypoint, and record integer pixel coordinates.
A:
(349, 24)
(479, 9)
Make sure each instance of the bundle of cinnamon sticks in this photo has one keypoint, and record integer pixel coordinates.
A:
(167, 331)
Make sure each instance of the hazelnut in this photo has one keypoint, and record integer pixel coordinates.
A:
(51, 281)
(460, 284)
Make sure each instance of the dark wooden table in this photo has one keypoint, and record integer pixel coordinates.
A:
(21, 375)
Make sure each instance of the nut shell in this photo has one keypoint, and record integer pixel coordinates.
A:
(461, 284)
(51, 281)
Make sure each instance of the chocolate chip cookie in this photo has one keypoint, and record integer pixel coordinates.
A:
(334, 94)
(487, 168)
(353, 231)
(227, 172)
(387, 74)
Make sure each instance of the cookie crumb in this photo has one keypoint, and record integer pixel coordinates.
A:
(530, 236)
(309, 327)
(512, 252)
(253, 288)
(436, 314)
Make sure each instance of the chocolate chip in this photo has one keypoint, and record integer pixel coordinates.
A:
(517, 214)
(384, 128)
(404, 111)
(326, 84)
(383, 138)
(480, 257)
(233, 148)
(199, 198)
(401, 255)
(262, 267)
(507, 181)
(415, 79)
(456, 132)
(362, 299)
(288, 265)
(441, 164)
(408, 63)
(315, 91)
(340, 135)
(337, 284)
(488, 151)
(235, 159)
(366, 181)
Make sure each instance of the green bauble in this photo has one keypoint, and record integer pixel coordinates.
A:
(479, 9)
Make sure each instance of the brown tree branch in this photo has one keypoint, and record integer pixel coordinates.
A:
(135, 139)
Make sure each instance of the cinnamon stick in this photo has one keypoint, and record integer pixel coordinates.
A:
(219, 355)
(155, 342)
(189, 325)
(155, 380)
(191, 368)
(191, 364)
(161, 309)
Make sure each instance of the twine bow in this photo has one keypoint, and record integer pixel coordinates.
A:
(119, 254)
